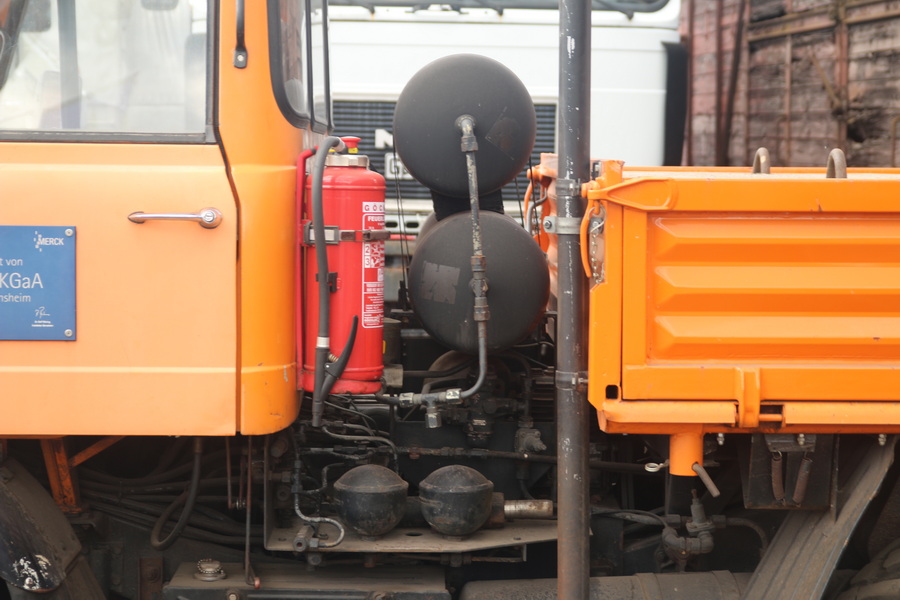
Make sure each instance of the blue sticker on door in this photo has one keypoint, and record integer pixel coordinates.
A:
(37, 283)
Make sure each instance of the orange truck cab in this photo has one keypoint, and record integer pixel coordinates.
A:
(153, 321)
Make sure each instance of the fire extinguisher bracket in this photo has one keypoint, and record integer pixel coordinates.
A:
(332, 281)
(367, 235)
(332, 234)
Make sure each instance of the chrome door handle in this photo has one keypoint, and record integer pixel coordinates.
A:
(207, 217)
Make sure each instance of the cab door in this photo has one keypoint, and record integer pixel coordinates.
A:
(118, 225)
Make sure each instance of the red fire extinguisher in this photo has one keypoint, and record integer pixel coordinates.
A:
(352, 206)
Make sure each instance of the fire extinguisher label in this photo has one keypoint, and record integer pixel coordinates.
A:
(373, 268)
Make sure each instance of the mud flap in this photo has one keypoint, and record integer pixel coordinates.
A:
(37, 544)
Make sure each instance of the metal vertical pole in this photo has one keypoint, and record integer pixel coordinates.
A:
(571, 403)
(719, 158)
(692, 53)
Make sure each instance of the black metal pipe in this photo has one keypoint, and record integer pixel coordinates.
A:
(603, 465)
(571, 403)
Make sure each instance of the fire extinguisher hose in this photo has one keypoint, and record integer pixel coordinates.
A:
(323, 341)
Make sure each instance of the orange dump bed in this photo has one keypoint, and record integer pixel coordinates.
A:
(733, 301)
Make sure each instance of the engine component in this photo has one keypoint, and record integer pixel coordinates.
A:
(456, 500)
(426, 135)
(528, 509)
(209, 569)
(353, 212)
(370, 499)
(504, 511)
(528, 439)
(518, 282)
(787, 474)
(700, 529)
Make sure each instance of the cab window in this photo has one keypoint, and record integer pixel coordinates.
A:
(319, 45)
(107, 68)
(299, 61)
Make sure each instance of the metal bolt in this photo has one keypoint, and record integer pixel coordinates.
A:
(69, 333)
(801, 439)
(70, 232)
(720, 438)
(233, 596)
(548, 225)
(432, 418)
(882, 439)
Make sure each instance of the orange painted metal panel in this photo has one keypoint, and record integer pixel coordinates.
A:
(261, 148)
(182, 330)
(750, 302)
(268, 388)
(800, 191)
(605, 306)
(679, 416)
(156, 302)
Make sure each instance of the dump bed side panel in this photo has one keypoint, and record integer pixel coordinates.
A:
(732, 311)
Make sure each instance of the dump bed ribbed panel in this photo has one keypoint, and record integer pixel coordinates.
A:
(773, 288)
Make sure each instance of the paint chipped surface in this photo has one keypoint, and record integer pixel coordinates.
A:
(33, 573)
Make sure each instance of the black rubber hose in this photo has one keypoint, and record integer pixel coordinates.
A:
(188, 499)
(153, 511)
(742, 522)
(151, 479)
(334, 370)
(159, 488)
(322, 341)
(136, 519)
(435, 374)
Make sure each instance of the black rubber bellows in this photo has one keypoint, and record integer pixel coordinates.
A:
(456, 500)
(370, 499)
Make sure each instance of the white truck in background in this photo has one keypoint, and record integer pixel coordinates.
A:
(637, 91)
(375, 52)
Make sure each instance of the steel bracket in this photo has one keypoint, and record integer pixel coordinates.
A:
(568, 187)
(555, 225)
(571, 381)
